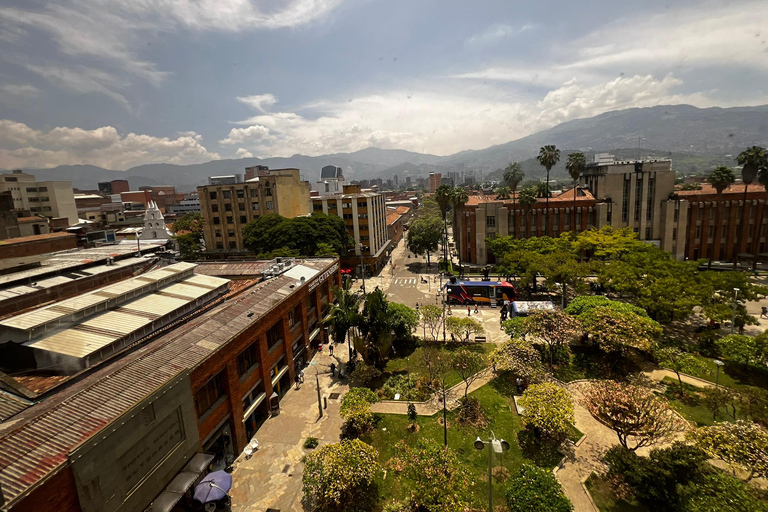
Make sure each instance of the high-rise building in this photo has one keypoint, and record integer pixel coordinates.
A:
(227, 208)
(365, 215)
(52, 199)
(435, 179)
(331, 181)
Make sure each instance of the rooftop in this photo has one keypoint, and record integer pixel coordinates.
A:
(734, 189)
(567, 195)
(393, 217)
(35, 442)
(35, 238)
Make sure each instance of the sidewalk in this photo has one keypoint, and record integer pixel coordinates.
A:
(271, 478)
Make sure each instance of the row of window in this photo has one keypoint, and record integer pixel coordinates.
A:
(37, 189)
(240, 194)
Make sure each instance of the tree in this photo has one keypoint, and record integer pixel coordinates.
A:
(356, 412)
(378, 327)
(536, 489)
(576, 164)
(633, 412)
(431, 319)
(438, 366)
(424, 235)
(716, 297)
(548, 410)
(341, 477)
(742, 349)
(752, 160)
(439, 481)
(343, 313)
(743, 444)
(467, 365)
(366, 374)
(615, 330)
(554, 328)
(527, 201)
(189, 234)
(189, 245)
(513, 176)
(548, 156)
(503, 193)
(324, 249)
(679, 362)
(715, 398)
(520, 358)
(585, 303)
(721, 178)
(462, 327)
(404, 320)
(302, 235)
(444, 197)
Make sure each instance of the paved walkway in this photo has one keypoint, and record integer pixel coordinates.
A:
(271, 478)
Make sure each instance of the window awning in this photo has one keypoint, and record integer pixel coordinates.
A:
(181, 483)
(255, 404)
(279, 375)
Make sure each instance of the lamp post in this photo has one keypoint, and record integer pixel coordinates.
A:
(719, 363)
(733, 316)
(362, 266)
(317, 381)
(494, 445)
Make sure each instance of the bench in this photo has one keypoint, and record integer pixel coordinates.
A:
(480, 339)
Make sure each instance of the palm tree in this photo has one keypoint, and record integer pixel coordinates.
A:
(527, 200)
(513, 176)
(344, 313)
(460, 198)
(502, 193)
(721, 178)
(752, 160)
(548, 156)
(542, 190)
(576, 164)
(443, 196)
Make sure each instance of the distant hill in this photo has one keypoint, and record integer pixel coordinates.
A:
(695, 138)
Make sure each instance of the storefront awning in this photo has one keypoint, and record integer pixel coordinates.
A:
(255, 404)
(181, 483)
(279, 375)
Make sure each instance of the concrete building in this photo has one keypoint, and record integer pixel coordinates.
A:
(190, 204)
(229, 179)
(52, 199)
(108, 188)
(228, 208)
(365, 215)
(435, 180)
(15, 223)
(331, 181)
(142, 425)
(631, 194)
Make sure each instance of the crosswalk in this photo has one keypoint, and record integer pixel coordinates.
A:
(405, 281)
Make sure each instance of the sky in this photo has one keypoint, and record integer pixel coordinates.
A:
(119, 83)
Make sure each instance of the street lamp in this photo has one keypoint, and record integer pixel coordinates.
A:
(362, 266)
(317, 381)
(719, 363)
(733, 317)
(495, 445)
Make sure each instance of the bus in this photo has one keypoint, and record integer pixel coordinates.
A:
(480, 292)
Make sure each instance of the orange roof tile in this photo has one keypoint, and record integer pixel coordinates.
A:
(35, 238)
(736, 188)
(403, 209)
(392, 218)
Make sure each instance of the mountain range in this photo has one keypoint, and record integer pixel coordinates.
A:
(696, 139)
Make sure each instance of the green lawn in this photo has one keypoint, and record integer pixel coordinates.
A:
(690, 406)
(501, 419)
(412, 362)
(606, 501)
(734, 374)
(592, 363)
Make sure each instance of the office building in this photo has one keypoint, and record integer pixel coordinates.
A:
(227, 208)
(182, 368)
(435, 180)
(331, 181)
(51, 199)
(365, 215)
(190, 204)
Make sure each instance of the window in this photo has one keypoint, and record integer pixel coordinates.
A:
(227, 194)
(213, 196)
(270, 206)
(209, 394)
(34, 199)
(253, 394)
(674, 233)
(230, 232)
(651, 198)
(233, 245)
(227, 207)
(216, 220)
(364, 238)
(44, 198)
(275, 335)
(362, 204)
(254, 192)
(240, 194)
(255, 206)
(490, 221)
(268, 191)
(698, 231)
(294, 317)
(218, 234)
(229, 219)
(219, 245)
(362, 215)
(348, 216)
(318, 207)
(214, 207)
(638, 195)
(243, 219)
(332, 205)
(625, 200)
(246, 361)
(648, 233)
(42, 189)
(241, 207)
(31, 189)
(711, 231)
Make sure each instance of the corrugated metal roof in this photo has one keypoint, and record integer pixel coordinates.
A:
(73, 342)
(39, 441)
(243, 268)
(118, 321)
(11, 405)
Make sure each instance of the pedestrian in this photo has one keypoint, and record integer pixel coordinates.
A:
(519, 383)
(476, 311)
(469, 310)
(301, 376)
(330, 350)
(764, 312)
(333, 369)
(298, 379)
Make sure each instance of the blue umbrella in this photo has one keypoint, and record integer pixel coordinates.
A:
(214, 486)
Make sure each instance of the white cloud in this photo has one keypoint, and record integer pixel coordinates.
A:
(495, 34)
(22, 146)
(83, 80)
(243, 153)
(443, 122)
(258, 101)
(19, 90)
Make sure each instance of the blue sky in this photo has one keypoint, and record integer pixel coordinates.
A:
(118, 84)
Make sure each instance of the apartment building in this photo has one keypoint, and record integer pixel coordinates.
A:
(435, 180)
(52, 199)
(622, 194)
(227, 208)
(365, 214)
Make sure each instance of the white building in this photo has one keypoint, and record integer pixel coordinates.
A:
(52, 199)
(154, 224)
(331, 181)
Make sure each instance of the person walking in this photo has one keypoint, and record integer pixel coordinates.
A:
(330, 350)
(301, 376)
(333, 369)
(298, 380)
(476, 311)
(469, 310)
(764, 312)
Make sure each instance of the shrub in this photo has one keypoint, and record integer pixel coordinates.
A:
(408, 386)
(536, 489)
(412, 413)
(471, 412)
(548, 410)
(310, 442)
(366, 374)
(356, 411)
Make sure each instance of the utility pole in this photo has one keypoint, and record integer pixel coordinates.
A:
(317, 382)
(733, 316)
(362, 266)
